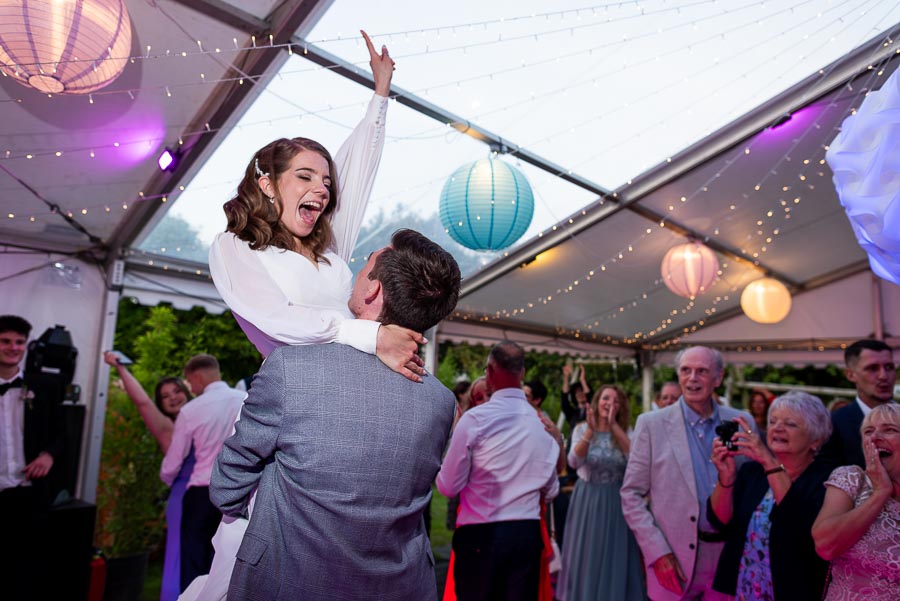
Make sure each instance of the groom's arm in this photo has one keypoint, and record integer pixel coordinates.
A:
(245, 454)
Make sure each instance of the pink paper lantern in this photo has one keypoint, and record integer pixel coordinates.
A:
(73, 47)
(689, 269)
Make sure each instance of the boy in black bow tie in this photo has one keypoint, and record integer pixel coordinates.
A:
(30, 441)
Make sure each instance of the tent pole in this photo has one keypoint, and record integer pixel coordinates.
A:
(877, 311)
(647, 379)
(90, 464)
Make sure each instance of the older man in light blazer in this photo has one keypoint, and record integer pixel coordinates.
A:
(669, 479)
(344, 451)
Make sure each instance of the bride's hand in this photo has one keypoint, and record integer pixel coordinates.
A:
(398, 349)
(382, 66)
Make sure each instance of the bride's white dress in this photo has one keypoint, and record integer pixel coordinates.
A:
(279, 298)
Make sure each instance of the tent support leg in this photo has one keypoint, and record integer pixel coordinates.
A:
(90, 465)
(877, 311)
(647, 379)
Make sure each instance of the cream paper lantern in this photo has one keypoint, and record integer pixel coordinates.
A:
(689, 269)
(64, 47)
(766, 301)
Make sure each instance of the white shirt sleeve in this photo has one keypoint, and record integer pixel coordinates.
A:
(248, 290)
(454, 473)
(357, 163)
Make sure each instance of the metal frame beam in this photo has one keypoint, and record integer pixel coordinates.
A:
(223, 104)
(813, 87)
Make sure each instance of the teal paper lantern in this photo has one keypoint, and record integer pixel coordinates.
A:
(486, 205)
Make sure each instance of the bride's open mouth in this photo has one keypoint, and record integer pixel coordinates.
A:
(309, 211)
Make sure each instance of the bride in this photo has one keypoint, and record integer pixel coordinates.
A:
(281, 266)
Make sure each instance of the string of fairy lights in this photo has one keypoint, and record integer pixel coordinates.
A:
(633, 302)
(167, 88)
(59, 153)
(106, 206)
(163, 198)
(613, 259)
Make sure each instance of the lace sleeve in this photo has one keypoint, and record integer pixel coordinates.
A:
(849, 479)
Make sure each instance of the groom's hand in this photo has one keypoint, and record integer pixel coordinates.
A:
(398, 348)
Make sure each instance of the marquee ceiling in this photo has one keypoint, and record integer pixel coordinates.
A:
(639, 124)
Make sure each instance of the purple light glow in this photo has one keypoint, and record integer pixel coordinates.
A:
(791, 126)
(166, 159)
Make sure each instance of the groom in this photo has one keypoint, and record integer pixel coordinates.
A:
(344, 451)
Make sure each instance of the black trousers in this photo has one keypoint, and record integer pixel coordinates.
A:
(498, 561)
(199, 521)
(23, 529)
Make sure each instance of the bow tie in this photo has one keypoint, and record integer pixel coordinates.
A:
(16, 383)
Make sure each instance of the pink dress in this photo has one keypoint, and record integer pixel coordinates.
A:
(870, 569)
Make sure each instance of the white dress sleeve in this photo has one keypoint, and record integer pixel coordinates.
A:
(357, 162)
(266, 315)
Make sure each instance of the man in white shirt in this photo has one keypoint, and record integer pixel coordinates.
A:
(31, 438)
(502, 463)
(203, 424)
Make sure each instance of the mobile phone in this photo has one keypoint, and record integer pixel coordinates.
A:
(122, 358)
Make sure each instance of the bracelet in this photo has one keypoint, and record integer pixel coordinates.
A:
(723, 485)
(775, 470)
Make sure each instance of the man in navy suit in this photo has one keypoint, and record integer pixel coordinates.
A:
(870, 366)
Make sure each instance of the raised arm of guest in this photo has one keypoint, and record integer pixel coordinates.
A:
(160, 420)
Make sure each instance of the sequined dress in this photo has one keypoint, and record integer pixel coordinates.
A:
(601, 559)
(870, 569)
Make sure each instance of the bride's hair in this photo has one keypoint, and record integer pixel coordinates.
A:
(256, 219)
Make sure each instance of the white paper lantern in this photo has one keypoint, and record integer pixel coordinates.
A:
(689, 269)
(766, 301)
(64, 47)
(865, 159)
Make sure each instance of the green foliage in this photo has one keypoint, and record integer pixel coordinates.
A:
(455, 360)
(130, 496)
(174, 236)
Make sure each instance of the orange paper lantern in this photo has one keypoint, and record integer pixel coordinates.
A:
(766, 301)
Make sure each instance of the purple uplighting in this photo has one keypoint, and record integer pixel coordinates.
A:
(791, 125)
(166, 160)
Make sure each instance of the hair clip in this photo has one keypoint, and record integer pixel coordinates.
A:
(259, 171)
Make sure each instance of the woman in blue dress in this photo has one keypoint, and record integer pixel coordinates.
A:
(600, 559)
(159, 416)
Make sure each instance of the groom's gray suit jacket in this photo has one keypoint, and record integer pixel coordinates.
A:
(344, 452)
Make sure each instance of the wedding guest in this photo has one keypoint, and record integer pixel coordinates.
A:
(601, 559)
(758, 408)
(857, 528)
(767, 507)
(32, 437)
(575, 397)
(159, 416)
(870, 366)
(202, 426)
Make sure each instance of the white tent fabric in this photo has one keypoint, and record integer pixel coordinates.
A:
(68, 162)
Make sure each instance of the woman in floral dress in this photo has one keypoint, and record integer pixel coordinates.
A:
(859, 525)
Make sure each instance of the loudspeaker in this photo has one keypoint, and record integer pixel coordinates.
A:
(66, 551)
(64, 475)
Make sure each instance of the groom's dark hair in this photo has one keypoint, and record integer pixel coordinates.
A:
(419, 281)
